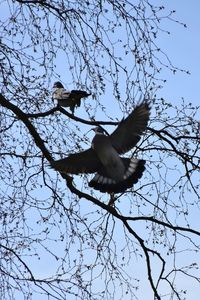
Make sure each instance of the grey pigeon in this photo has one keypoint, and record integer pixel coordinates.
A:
(114, 174)
(66, 98)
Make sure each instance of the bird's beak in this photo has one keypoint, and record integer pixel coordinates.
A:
(92, 129)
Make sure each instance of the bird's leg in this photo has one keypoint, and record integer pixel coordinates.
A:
(112, 199)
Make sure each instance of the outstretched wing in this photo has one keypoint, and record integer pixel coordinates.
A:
(82, 162)
(129, 131)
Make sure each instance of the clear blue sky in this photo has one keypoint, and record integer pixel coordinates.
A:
(183, 47)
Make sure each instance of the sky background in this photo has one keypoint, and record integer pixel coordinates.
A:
(183, 48)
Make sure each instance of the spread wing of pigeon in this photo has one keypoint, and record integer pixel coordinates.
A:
(114, 174)
(71, 99)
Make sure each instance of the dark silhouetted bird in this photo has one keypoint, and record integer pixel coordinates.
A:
(114, 174)
(66, 98)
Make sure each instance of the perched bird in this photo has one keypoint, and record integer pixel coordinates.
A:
(66, 98)
(114, 174)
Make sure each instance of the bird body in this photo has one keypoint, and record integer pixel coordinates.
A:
(108, 156)
(114, 174)
(66, 98)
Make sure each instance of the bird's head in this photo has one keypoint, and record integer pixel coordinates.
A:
(57, 85)
(100, 130)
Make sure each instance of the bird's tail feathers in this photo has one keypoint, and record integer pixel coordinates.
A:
(134, 170)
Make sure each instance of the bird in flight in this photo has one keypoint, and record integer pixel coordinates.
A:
(114, 174)
(65, 98)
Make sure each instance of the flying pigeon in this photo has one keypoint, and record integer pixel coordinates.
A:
(66, 98)
(114, 174)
